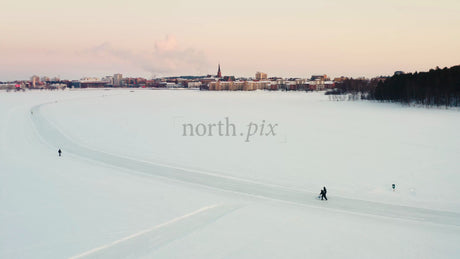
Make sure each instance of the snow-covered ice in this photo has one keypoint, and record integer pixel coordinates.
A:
(129, 184)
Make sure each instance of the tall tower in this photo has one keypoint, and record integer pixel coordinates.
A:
(219, 74)
(117, 79)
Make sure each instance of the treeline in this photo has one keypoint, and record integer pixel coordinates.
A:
(355, 89)
(437, 87)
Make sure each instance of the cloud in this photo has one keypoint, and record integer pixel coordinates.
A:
(166, 57)
(168, 44)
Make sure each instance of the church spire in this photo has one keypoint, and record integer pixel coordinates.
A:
(219, 74)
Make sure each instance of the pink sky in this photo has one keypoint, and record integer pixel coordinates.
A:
(290, 38)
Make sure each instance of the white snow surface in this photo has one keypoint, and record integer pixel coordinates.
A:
(130, 185)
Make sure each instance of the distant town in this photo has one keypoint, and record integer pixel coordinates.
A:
(215, 82)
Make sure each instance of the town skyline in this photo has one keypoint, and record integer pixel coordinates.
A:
(216, 82)
(217, 75)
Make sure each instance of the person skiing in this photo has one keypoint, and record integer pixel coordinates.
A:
(59, 152)
(323, 193)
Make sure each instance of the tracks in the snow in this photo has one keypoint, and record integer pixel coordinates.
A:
(55, 137)
(145, 241)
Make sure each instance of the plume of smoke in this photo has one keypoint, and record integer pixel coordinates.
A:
(165, 58)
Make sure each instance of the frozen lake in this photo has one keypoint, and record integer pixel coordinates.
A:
(133, 182)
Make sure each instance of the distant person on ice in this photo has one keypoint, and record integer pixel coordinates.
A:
(323, 193)
(59, 152)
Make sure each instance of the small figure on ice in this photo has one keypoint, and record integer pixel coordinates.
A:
(323, 193)
(59, 152)
(393, 186)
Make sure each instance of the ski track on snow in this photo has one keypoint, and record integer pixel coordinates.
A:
(52, 136)
(146, 241)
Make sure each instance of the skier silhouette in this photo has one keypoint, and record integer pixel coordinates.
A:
(59, 152)
(323, 193)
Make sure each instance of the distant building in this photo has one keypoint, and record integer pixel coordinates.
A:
(90, 82)
(320, 82)
(35, 80)
(93, 84)
(397, 73)
(173, 85)
(219, 73)
(340, 79)
(319, 77)
(261, 76)
(117, 80)
(133, 82)
(228, 78)
(57, 86)
(89, 79)
(239, 85)
(10, 86)
(75, 84)
(193, 84)
(108, 79)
